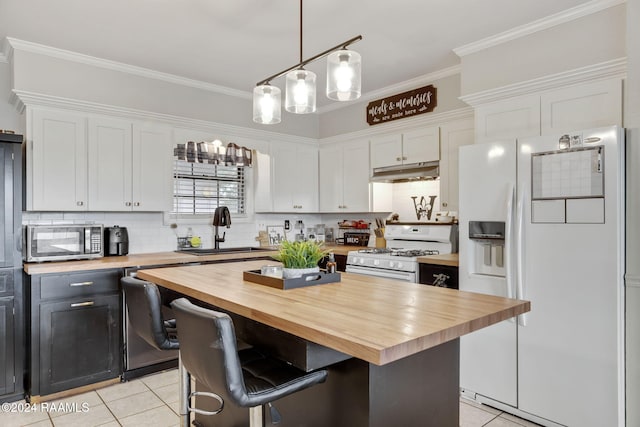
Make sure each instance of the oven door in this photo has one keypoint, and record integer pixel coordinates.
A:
(405, 276)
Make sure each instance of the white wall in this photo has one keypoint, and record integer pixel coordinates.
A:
(353, 117)
(54, 76)
(592, 39)
(9, 117)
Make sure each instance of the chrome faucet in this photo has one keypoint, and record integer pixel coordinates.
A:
(221, 218)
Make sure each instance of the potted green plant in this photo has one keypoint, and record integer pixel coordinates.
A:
(300, 257)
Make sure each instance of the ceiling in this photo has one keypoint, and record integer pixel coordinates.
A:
(236, 43)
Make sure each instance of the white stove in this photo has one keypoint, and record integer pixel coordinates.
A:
(405, 243)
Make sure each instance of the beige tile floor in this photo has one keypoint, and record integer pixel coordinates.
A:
(153, 401)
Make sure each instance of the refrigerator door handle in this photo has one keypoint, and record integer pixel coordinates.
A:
(520, 283)
(509, 243)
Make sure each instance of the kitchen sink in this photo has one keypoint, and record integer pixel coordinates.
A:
(212, 251)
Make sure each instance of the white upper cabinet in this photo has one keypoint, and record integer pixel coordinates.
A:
(56, 161)
(130, 166)
(453, 136)
(421, 145)
(95, 163)
(417, 146)
(151, 168)
(294, 175)
(386, 150)
(552, 112)
(591, 105)
(344, 177)
(109, 150)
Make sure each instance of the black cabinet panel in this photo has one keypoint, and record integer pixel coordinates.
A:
(429, 273)
(7, 346)
(79, 342)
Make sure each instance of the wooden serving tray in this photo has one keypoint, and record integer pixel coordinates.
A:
(309, 279)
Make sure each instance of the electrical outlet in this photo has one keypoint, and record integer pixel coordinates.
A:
(262, 226)
(287, 224)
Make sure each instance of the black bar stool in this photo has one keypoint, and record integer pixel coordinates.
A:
(209, 352)
(144, 307)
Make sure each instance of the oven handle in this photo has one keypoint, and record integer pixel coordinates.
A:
(385, 274)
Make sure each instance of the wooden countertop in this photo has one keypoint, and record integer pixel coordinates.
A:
(135, 260)
(373, 319)
(447, 259)
(150, 259)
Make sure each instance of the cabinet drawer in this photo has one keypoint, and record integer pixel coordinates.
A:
(79, 284)
(6, 282)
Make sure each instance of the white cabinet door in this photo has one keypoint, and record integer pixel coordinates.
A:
(151, 172)
(386, 150)
(453, 136)
(305, 180)
(421, 145)
(513, 118)
(591, 105)
(344, 177)
(57, 170)
(331, 179)
(109, 159)
(294, 177)
(356, 187)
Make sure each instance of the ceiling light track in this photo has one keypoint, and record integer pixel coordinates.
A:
(343, 83)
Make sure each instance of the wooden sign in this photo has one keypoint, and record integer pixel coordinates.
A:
(406, 104)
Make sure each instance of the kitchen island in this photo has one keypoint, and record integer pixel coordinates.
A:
(399, 340)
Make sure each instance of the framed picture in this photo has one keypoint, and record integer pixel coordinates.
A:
(276, 234)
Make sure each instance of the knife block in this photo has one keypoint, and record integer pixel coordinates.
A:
(381, 242)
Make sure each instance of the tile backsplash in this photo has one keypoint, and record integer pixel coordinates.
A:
(151, 232)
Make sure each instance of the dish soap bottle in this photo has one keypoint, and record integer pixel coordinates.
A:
(331, 264)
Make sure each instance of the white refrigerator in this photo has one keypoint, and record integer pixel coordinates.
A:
(542, 219)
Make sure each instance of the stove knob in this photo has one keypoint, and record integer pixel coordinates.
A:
(362, 261)
(400, 265)
(376, 262)
(392, 264)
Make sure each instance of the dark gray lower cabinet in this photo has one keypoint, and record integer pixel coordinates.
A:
(76, 330)
(7, 347)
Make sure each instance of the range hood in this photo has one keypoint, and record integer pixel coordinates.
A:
(405, 173)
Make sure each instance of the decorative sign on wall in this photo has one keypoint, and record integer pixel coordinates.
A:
(406, 104)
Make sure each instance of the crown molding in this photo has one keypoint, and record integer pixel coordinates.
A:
(24, 99)
(538, 25)
(430, 119)
(616, 68)
(67, 55)
(5, 51)
(396, 88)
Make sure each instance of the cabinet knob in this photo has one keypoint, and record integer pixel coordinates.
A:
(80, 203)
(398, 159)
(136, 204)
(444, 204)
(127, 203)
(404, 157)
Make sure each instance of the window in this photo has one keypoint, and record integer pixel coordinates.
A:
(199, 188)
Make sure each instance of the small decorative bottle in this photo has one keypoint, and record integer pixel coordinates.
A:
(331, 264)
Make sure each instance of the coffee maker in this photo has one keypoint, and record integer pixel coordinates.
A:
(116, 241)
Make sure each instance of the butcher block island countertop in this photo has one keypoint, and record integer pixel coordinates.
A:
(373, 319)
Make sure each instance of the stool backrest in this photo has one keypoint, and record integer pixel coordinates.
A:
(208, 349)
(144, 308)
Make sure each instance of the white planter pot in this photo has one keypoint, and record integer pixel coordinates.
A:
(292, 273)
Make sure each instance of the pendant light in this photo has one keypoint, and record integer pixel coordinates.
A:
(266, 104)
(343, 83)
(343, 75)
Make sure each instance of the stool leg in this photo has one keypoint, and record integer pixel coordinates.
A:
(185, 391)
(255, 416)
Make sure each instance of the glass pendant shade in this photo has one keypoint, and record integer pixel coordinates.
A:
(344, 81)
(267, 104)
(300, 95)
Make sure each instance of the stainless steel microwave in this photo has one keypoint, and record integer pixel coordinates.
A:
(63, 242)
